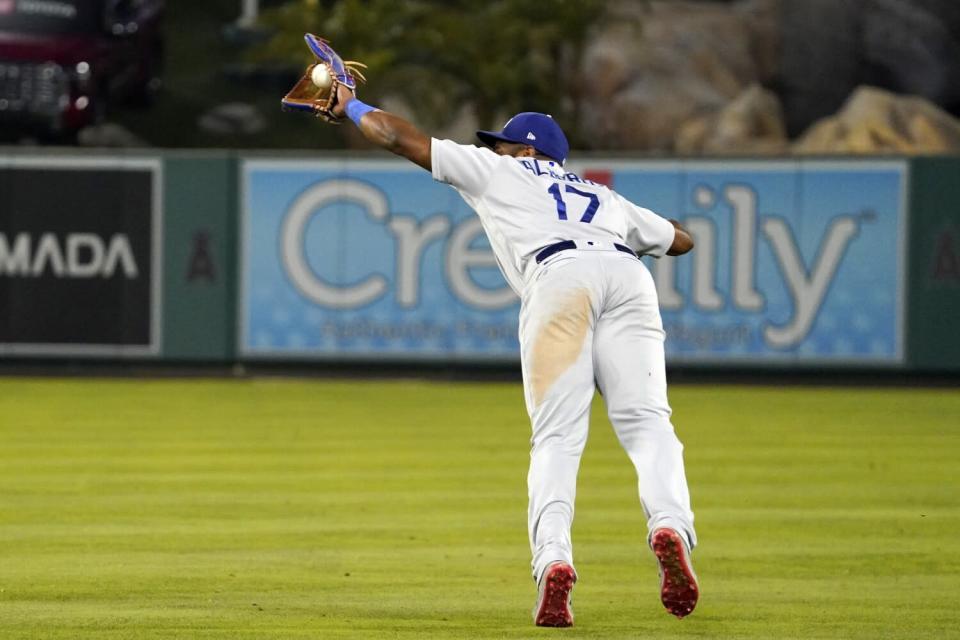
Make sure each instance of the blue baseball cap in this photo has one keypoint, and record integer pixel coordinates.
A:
(538, 130)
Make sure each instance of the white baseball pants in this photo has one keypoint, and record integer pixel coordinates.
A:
(591, 318)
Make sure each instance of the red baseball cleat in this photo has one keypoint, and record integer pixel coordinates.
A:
(553, 602)
(679, 590)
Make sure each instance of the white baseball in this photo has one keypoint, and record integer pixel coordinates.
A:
(321, 76)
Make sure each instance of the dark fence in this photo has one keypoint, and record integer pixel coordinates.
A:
(215, 257)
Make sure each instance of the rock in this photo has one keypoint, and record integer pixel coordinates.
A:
(877, 121)
(653, 66)
(752, 124)
(913, 47)
(232, 118)
(820, 59)
(829, 48)
(657, 75)
(762, 18)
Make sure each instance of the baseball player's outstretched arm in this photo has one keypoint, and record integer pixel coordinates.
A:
(682, 241)
(389, 131)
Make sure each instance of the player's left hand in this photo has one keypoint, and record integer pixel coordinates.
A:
(325, 102)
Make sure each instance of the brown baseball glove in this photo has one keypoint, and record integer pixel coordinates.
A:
(307, 96)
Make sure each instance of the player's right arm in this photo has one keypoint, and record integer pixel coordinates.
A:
(389, 131)
(682, 240)
(651, 234)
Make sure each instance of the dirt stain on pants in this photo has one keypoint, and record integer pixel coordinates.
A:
(559, 342)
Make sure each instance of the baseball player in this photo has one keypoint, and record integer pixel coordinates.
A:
(589, 317)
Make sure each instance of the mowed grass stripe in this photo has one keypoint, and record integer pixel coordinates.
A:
(281, 508)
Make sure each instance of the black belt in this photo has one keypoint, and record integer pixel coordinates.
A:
(563, 245)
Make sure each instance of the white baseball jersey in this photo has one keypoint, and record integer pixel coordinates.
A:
(526, 204)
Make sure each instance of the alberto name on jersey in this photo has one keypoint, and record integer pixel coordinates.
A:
(539, 168)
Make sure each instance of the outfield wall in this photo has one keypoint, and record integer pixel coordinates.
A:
(218, 257)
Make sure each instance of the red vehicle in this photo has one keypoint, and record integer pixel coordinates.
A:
(63, 62)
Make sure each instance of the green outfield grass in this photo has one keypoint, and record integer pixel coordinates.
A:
(309, 508)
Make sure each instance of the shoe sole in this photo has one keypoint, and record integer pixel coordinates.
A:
(679, 590)
(554, 609)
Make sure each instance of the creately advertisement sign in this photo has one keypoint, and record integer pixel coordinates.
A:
(794, 262)
(79, 251)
